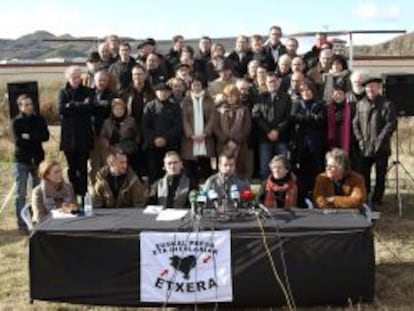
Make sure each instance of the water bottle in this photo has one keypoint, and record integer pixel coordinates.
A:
(87, 207)
(234, 196)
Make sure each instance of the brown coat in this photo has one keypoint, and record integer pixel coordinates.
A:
(210, 113)
(354, 192)
(235, 129)
(132, 194)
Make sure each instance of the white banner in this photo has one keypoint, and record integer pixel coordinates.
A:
(186, 267)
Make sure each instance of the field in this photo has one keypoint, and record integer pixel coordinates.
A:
(394, 236)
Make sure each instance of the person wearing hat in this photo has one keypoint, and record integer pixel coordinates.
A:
(161, 129)
(144, 49)
(374, 122)
(93, 63)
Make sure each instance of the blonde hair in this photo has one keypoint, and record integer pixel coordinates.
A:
(231, 90)
(71, 70)
(45, 167)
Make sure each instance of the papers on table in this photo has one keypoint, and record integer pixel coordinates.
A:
(170, 214)
(59, 214)
(153, 209)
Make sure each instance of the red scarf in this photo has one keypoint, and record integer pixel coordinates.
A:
(346, 127)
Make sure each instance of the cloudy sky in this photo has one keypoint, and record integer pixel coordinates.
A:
(193, 18)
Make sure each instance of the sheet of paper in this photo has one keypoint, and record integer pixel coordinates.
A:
(59, 214)
(153, 209)
(170, 214)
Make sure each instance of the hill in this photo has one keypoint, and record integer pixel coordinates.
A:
(34, 47)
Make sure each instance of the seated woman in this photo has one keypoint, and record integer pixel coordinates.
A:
(339, 186)
(52, 192)
(280, 189)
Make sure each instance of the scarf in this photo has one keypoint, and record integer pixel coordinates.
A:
(53, 198)
(346, 127)
(281, 193)
(199, 149)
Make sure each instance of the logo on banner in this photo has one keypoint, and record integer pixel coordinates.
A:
(186, 267)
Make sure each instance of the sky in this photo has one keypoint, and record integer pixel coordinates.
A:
(194, 18)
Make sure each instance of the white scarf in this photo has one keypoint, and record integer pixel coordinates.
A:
(199, 149)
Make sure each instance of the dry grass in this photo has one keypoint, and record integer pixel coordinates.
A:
(394, 246)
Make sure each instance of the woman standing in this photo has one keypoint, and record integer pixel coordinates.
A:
(199, 117)
(233, 128)
(75, 109)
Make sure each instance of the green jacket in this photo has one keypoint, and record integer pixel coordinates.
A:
(132, 194)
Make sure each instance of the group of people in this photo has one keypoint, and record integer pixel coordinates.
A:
(153, 127)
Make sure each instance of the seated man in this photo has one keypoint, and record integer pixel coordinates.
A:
(117, 185)
(226, 177)
(172, 189)
(339, 186)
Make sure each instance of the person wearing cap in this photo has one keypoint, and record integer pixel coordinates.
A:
(216, 87)
(122, 68)
(374, 122)
(93, 64)
(161, 128)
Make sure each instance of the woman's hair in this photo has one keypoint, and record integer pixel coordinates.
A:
(118, 102)
(340, 59)
(201, 79)
(280, 159)
(231, 90)
(340, 157)
(45, 167)
(308, 83)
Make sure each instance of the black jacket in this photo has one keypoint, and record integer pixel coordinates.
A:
(272, 115)
(122, 73)
(102, 108)
(265, 59)
(310, 127)
(162, 120)
(281, 48)
(75, 109)
(29, 151)
(240, 65)
(373, 124)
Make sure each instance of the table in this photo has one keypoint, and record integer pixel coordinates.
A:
(95, 260)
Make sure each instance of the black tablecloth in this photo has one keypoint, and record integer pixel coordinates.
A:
(95, 260)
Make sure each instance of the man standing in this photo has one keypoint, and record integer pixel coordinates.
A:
(122, 68)
(271, 117)
(161, 128)
(29, 131)
(374, 122)
(274, 47)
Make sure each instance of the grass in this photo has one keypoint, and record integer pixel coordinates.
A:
(394, 247)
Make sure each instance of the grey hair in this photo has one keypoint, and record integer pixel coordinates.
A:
(71, 70)
(280, 159)
(340, 157)
(361, 73)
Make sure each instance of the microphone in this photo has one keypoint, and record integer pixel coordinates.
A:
(192, 198)
(234, 196)
(201, 201)
(247, 196)
(213, 197)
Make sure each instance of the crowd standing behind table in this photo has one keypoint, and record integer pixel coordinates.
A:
(261, 100)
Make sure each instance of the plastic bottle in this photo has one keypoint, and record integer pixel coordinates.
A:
(88, 207)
